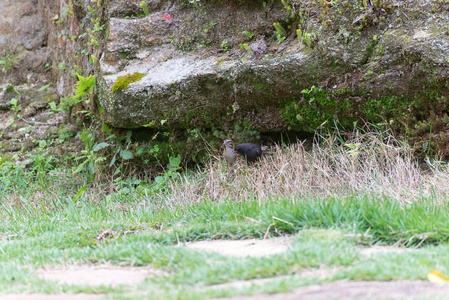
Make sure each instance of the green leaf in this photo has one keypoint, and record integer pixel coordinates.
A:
(91, 167)
(84, 135)
(175, 161)
(84, 86)
(52, 105)
(159, 179)
(150, 124)
(100, 146)
(14, 101)
(105, 128)
(79, 193)
(128, 136)
(9, 88)
(126, 154)
(113, 160)
(42, 144)
(44, 87)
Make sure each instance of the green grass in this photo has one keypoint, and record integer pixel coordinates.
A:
(329, 234)
(385, 220)
(334, 199)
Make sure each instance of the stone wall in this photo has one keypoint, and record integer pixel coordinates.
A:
(223, 68)
(26, 77)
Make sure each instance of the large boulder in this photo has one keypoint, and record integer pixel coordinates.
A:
(210, 65)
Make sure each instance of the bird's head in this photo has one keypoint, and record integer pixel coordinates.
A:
(228, 142)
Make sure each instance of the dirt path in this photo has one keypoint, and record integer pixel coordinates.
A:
(360, 290)
(243, 248)
(95, 275)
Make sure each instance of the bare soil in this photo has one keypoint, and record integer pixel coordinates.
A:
(318, 273)
(244, 248)
(96, 275)
(360, 290)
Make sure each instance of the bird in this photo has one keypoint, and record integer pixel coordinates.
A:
(251, 152)
(229, 153)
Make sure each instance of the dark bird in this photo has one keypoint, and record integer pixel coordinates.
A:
(251, 152)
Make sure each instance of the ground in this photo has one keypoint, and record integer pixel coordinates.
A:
(352, 222)
(105, 274)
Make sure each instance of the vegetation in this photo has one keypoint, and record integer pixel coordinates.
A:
(83, 92)
(341, 196)
(336, 195)
(122, 82)
(144, 7)
(316, 108)
(8, 58)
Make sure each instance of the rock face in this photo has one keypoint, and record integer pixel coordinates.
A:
(234, 67)
(26, 86)
(372, 62)
(195, 75)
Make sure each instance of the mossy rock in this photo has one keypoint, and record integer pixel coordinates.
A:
(123, 81)
(51, 97)
(316, 108)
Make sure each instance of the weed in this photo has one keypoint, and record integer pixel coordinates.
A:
(144, 7)
(84, 88)
(8, 59)
(89, 161)
(248, 35)
(170, 173)
(371, 162)
(299, 35)
(15, 107)
(225, 45)
(309, 39)
(280, 32)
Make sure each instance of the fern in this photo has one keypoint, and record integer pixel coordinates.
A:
(84, 86)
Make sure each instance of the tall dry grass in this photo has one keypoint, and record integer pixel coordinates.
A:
(374, 164)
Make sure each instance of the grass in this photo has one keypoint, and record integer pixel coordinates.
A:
(336, 198)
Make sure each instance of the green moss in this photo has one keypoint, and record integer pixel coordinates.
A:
(381, 51)
(258, 85)
(51, 97)
(244, 131)
(263, 87)
(316, 108)
(343, 91)
(385, 108)
(66, 131)
(101, 110)
(320, 107)
(123, 81)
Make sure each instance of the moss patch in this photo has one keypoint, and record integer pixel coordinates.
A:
(123, 81)
(386, 108)
(316, 108)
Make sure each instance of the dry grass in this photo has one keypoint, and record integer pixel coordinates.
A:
(372, 163)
